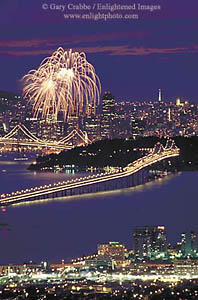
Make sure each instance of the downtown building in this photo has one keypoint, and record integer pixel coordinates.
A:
(187, 267)
(114, 251)
(108, 116)
(92, 127)
(150, 243)
(111, 255)
(46, 130)
(189, 245)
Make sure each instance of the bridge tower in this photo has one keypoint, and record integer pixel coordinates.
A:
(19, 136)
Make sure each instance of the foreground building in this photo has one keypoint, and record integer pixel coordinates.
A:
(150, 242)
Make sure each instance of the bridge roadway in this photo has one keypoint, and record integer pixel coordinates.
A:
(26, 143)
(61, 189)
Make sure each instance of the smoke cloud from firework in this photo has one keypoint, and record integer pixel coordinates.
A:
(64, 82)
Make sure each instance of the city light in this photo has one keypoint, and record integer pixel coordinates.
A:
(158, 154)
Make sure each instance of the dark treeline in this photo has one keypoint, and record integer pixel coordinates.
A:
(119, 152)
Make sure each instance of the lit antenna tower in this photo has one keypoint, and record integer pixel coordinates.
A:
(160, 95)
(169, 114)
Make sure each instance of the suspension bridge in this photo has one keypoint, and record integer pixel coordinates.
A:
(20, 135)
(115, 179)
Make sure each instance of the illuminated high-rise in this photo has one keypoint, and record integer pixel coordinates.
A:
(149, 242)
(108, 116)
(189, 244)
(92, 127)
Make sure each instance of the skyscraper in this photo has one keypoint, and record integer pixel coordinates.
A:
(149, 242)
(108, 116)
(189, 244)
(92, 127)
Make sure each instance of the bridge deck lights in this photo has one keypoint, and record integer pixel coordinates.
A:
(129, 170)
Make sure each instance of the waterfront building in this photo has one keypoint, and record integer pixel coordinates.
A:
(112, 250)
(189, 244)
(188, 266)
(160, 268)
(150, 242)
(100, 262)
(11, 268)
(138, 267)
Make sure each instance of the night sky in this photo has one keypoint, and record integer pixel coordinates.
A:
(133, 58)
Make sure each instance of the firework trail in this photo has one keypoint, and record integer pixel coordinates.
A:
(64, 82)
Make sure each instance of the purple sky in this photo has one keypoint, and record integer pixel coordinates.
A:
(133, 58)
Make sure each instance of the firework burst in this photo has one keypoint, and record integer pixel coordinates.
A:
(64, 82)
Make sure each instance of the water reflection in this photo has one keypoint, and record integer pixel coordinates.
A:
(74, 225)
(100, 194)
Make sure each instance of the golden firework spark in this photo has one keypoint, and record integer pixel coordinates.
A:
(64, 82)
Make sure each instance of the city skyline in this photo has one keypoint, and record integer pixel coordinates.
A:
(113, 119)
(158, 50)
